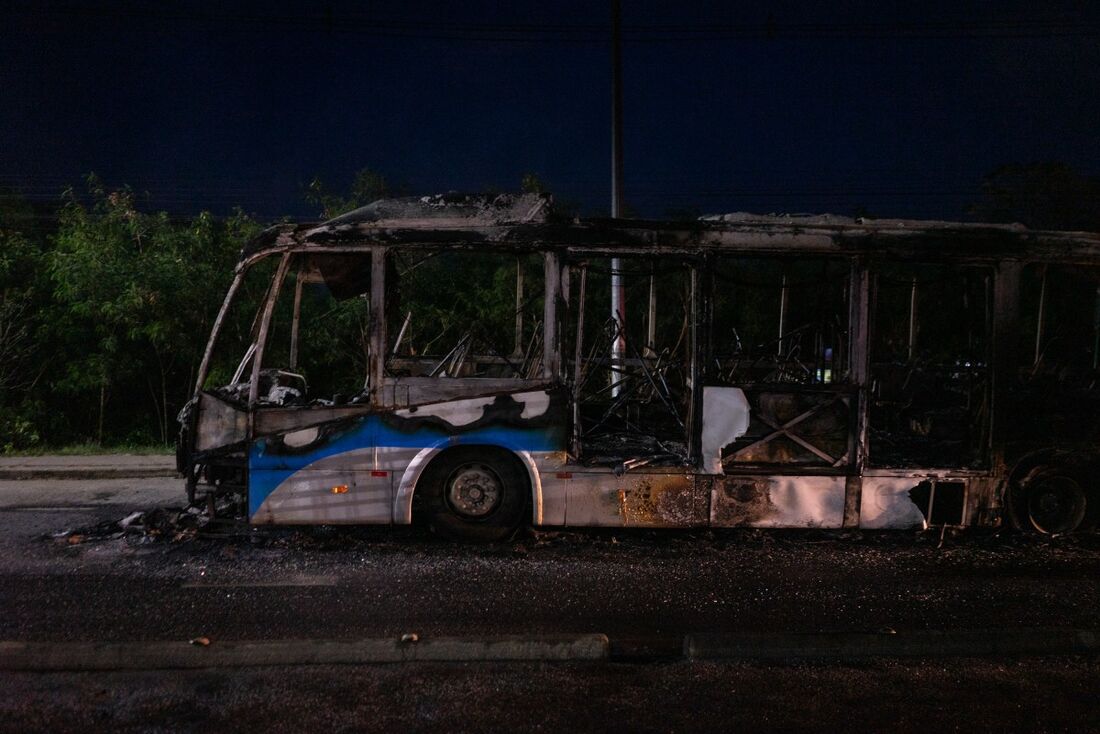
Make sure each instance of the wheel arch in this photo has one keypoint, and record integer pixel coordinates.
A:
(406, 488)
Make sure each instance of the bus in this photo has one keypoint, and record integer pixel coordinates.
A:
(454, 359)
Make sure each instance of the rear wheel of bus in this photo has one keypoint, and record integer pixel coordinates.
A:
(1054, 497)
(1057, 502)
(474, 493)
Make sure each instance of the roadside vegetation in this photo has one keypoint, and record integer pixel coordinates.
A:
(93, 449)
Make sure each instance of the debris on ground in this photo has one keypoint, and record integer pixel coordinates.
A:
(171, 524)
(231, 533)
(100, 531)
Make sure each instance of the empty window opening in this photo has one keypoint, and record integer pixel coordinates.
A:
(1056, 383)
(941, 502)
(634, 406)
(453, 313)
(780, 332)
(929, 366)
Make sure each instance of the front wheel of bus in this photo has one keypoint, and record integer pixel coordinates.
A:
(476, 493)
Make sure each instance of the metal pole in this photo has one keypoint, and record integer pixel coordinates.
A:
(376, 372)
(401, 333)
(555, 290)
(651, 319)
(518, 351)
(618, 299)
(298, 282)
(782, 312)
(1039, 318)
(912, 318)
(577, 364)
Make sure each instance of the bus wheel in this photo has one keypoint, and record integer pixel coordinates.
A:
(476, 493)
(1055, 502)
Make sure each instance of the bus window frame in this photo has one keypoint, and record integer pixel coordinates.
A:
(849, 387)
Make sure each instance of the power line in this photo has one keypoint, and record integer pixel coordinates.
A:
(1023, 28)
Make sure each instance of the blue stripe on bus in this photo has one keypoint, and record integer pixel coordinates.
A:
(268, 470)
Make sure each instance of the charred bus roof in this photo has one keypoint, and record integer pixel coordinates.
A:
(527, 222)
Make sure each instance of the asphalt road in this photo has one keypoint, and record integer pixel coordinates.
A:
(645, 590)
(1033, 695)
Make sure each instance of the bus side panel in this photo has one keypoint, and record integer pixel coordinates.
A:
(329, 474)
(635, 499)
(778, 501)
(918, 499)
(347, 471)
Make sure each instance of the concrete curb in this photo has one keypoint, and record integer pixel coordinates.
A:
(75, 656)
(106, 656)
(19, 473)
(923, 643)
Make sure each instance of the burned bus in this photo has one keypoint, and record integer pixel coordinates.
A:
(451, 359)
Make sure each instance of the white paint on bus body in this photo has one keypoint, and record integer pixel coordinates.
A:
(725, 419)
(459, 413)
(778, 501)
(534, 404)
(886, 504)
(304, 437)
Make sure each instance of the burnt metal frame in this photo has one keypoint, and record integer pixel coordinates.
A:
(859, 367)
(377, 317)
(784, 429)
(1005, 315)
(1005, 247)
(854, 390)
(215, 330)
(691, 423)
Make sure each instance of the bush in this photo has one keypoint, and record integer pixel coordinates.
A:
(16, 432)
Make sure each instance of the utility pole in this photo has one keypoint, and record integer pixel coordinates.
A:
(618, 293)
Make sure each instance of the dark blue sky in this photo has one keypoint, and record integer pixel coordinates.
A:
(761, 107)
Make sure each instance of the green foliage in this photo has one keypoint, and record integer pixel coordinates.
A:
(16, 431)
(19, 261)
(116, 298)
(90, 448)
(334, 346)
(532, 184)
(455, 293)
(367, 186)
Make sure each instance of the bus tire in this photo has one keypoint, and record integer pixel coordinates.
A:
(1053, 500)
(475, 493)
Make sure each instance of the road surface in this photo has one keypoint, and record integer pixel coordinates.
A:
(645, 590)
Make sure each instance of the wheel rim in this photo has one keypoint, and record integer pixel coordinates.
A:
(474, 490)
(1056, 505)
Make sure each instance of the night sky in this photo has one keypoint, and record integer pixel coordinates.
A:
(897, 109)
